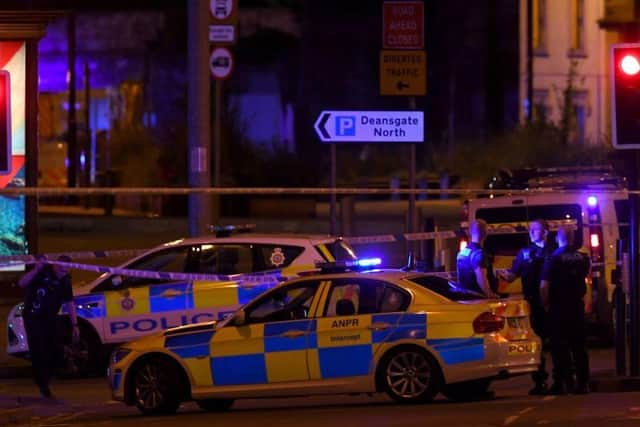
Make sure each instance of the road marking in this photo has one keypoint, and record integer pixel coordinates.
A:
(512, 418)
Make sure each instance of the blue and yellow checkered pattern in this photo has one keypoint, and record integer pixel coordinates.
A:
(299, 350)
(176, 296)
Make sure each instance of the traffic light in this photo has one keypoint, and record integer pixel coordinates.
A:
(5, 122)
(625, 95)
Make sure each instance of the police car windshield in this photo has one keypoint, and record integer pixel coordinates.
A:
(446, 288)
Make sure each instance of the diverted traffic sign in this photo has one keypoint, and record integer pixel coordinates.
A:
(370, 126)
(403, 25)
(403, 72)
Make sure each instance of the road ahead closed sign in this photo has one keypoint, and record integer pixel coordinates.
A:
(370, 126)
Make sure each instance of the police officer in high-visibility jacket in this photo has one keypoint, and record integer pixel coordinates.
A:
(474, 265)
(562, 291)
(528, 265)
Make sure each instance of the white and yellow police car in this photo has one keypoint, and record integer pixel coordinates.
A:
(116, 308)
(406, 333)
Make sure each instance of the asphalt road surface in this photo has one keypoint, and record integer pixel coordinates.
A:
(87, 403)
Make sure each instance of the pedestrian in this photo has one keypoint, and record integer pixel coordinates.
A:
(48, 286)
(562, 292)
(474, 265)
(528, 265)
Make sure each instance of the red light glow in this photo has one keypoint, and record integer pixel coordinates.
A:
(630, 65)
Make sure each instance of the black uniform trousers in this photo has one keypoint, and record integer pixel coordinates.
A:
(540, 327)
(44, 350)
(568, 347)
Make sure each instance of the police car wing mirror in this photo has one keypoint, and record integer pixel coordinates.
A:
(239, 318)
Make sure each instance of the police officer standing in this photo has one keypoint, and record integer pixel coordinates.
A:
(48, 287)
(562, 291)
(528, 265)
(474, 265)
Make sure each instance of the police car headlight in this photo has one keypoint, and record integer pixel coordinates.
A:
(119, 354)
(17, 312)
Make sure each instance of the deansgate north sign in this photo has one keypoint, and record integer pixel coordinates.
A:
(370, 126)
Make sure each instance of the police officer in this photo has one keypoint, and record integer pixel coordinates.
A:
(528, 265)
(562, 290)
(48, 287)
(474, 265)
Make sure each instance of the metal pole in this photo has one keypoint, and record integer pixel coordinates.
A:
(72, 143)
(217, 139)
(529, 60)
(634, 300)
(332, 184)
(31, 144)
(88, 153)
(198, 114)
(412, 179)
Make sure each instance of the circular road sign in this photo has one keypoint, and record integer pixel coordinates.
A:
(221, 9)
(221, 63)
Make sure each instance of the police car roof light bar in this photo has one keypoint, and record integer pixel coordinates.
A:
(347, 265)
(227, 230)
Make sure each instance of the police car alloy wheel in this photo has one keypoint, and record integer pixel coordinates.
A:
(410, 375)
(156, 388)
(215, 405)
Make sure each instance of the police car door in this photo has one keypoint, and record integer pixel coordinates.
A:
(357, 319)
(139, 306)
(271, 346)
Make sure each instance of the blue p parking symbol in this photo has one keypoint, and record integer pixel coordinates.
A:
(345, 126)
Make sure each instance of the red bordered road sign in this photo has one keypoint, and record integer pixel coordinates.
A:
(223, 11)
(221, 63)
(403, 25)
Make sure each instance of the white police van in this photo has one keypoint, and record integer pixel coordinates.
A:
(116, 308)
(594, 200)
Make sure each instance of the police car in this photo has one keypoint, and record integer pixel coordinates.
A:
(115, 308)
(593, 200)
(406, 333)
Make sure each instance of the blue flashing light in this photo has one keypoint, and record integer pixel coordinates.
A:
(368, 262)
(592, 201)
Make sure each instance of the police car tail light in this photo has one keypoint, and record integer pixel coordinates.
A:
(488, 322)
(463, 244)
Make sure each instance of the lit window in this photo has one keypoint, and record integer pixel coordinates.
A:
(539, 30)
(577, 27)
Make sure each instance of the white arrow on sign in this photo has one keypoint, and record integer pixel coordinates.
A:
(370, 126)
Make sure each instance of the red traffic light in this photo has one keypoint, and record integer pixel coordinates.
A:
(630, 65)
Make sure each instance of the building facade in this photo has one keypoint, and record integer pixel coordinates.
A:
(570, 49)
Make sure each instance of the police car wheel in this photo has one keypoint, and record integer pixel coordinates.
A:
(467, 390)
(410, 375)
(155, 388)
(81, 359)
(215, 405)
